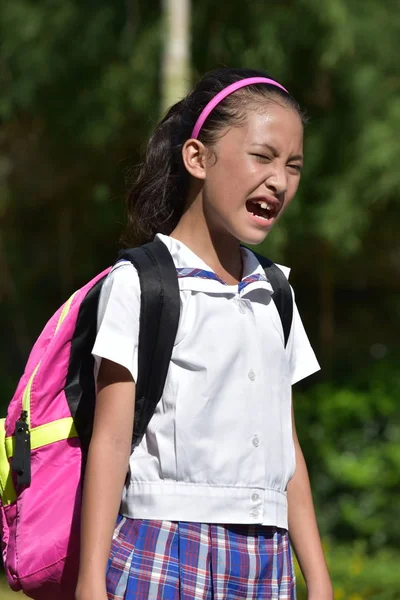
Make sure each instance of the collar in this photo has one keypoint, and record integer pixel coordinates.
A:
(195, 275)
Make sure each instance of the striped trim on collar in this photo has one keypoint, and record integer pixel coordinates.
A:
(203, 274)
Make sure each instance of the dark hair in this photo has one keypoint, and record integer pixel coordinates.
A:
(157, 198)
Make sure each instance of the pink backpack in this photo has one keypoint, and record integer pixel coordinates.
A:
(45, 436)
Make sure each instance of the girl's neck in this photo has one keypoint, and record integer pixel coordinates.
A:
(218, 249)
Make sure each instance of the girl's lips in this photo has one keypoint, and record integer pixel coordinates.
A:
(260, 221)
(273, 204)
(262, 211)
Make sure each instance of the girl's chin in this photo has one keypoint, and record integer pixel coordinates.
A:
(255, 236)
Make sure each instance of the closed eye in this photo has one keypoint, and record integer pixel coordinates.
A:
(297, 168)
(262, 157)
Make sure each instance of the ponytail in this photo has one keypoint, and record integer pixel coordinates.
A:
(157, 199)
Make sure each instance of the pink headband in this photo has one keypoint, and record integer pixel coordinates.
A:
(226, 92)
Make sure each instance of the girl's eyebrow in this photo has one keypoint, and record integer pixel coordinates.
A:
(275, 151)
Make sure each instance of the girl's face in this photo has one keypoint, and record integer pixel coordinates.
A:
(253, 173)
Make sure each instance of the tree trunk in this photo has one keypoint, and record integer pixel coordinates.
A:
(176, 58)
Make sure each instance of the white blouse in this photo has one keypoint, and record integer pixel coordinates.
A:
(219, 448)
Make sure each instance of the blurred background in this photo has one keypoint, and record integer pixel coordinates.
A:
(82, 83)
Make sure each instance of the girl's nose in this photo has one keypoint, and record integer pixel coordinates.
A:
(276, 181)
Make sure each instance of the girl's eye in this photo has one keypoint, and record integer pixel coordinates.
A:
(297, 168)
(262, 157)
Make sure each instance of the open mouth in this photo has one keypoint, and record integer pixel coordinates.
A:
(261, 209)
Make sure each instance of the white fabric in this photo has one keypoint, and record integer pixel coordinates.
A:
(219, 447)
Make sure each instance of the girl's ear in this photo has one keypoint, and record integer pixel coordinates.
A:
(194, 158)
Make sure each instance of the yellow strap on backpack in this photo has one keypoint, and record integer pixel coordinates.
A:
(7, 491)
(43, 435)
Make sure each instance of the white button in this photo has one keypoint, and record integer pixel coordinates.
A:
(255, 497)
(254, 514)
(251, 375)
(255, 441)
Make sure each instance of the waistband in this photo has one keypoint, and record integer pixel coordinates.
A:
(183, 501)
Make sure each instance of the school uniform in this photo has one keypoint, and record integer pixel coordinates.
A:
(204, 512)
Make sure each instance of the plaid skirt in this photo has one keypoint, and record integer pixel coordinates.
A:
(164, 560)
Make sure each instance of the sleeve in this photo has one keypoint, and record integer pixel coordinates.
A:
(302, 359)
(118, 319)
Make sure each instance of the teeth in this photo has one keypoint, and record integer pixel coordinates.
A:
(264, 205)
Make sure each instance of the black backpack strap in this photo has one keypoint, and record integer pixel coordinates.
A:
(159, 318)
(282, 295)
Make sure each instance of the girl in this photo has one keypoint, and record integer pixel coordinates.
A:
(219, 477)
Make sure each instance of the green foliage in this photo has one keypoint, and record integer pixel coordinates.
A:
(351, 440)
(357, 575)
(72, 67)
(6, 592)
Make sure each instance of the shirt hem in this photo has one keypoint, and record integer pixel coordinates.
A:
(201, 503)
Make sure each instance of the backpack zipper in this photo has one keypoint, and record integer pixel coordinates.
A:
(21, 461)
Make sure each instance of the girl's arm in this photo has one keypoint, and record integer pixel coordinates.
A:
(106, 469)
(303, 530)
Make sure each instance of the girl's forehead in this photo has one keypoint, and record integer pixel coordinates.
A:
(273, 117)
(270, 122)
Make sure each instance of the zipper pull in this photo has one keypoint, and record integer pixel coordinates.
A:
(21, 461)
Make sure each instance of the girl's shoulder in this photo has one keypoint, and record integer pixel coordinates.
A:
(122, 271)
(121, 286)
(122, 266)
